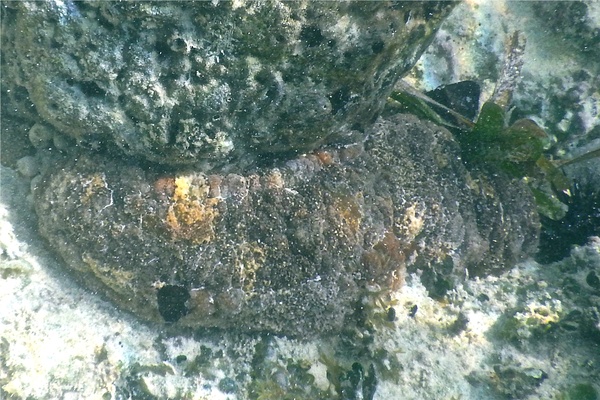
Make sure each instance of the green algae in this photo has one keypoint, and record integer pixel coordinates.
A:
(516, 149)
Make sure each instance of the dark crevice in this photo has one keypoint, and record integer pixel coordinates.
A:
(171, 301)
(581, 221)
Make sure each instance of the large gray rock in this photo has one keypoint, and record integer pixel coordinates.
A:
(185, 82)
(288, 249)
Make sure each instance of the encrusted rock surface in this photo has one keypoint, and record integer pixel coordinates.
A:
(186, 82)
(287, 249)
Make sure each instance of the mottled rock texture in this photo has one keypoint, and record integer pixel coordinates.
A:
(213, 82)
(290, 248)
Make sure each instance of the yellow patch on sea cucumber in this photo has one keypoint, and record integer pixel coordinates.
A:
(192, 214)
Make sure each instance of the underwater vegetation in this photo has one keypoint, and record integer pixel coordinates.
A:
(491, 143)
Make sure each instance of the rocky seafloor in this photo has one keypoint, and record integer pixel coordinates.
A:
(531, 332)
